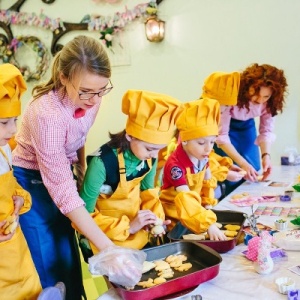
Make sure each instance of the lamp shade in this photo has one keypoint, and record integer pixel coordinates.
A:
(155, 29)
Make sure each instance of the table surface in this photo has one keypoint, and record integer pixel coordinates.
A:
(237, 279)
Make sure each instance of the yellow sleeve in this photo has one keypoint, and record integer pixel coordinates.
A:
(192, 214)
(19, 191)
(219, 166)
(150, 200)
(208, 192)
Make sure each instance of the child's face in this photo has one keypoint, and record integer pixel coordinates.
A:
(143, 150)
(199, 148)
(8, 128)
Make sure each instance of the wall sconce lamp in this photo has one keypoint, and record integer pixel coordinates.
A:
(155, 29)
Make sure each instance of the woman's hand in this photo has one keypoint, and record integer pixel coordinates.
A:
(215, 234)
(143, 219)
(234, 176)
(251, 172)
(266, 166)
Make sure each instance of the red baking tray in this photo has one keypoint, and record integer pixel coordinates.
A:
(224, 217)
(206, 265)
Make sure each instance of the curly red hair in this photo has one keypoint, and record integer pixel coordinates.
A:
(256, 76)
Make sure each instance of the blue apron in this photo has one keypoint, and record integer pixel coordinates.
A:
(242, 135)
(50, 237)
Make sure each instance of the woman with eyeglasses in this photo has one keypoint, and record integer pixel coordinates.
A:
(50, 146)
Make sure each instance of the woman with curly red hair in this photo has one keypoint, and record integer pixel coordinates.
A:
(261, 94)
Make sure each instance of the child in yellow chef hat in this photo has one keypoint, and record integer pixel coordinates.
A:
(18, 276)
(188, 185)
(223, 87)
(119, 183)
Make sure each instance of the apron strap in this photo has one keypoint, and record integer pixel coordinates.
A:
(6, 158)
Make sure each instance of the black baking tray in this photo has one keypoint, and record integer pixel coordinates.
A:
(206, 265)
(224, 217)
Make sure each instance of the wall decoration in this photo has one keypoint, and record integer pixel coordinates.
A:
(107, 26)
(37, 49)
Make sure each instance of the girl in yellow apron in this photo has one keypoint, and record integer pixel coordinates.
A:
(188, 185)
(119, 183)
(19, 279)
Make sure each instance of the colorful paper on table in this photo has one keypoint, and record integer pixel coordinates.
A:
(279, 184)
(250, 200)
(277, 211)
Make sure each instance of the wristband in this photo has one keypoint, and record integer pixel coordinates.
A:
(264, 154)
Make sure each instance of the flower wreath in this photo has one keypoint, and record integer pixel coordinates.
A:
(7, 54)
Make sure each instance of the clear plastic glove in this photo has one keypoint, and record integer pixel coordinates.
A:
(122, 266)
(215, 234)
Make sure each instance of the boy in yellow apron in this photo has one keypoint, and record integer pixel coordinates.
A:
(18, 277)
(224, 88)
(188, 184)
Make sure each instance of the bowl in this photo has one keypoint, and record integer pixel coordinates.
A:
(285, 284)
(281, 224)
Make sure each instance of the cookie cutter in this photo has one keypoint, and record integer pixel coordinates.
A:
(285, 198)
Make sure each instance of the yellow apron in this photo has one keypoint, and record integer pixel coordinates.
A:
(18, 277)
(187, 207)
(113, 213)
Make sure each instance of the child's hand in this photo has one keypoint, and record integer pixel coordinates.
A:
(215, 234)
(4, 237)
(142, 220)
(19, 202)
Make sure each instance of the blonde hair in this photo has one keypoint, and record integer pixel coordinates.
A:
(83, 53)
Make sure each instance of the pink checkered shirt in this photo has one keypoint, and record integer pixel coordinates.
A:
(48, 139)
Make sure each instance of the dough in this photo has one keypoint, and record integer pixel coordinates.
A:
(194, 237)
(232, 227)
(147, 266)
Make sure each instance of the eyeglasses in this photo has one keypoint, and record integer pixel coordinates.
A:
(88, 96)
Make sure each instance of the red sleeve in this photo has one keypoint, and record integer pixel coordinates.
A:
(174, 175)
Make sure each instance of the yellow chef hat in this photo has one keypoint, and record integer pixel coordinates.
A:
(199, 118)
(223, 87)
(151, 116)
(12, 86)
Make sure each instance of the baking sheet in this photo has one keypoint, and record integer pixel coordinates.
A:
(205, 263)
(224, 217)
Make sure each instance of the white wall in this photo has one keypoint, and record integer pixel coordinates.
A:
(202, 36)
